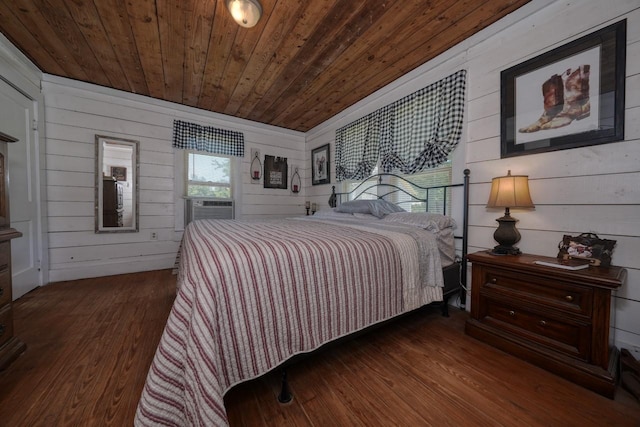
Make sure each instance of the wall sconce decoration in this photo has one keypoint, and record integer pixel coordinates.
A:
(510, 191)
(307, 206)
(296, 182)
(246, 13)
(256, 166)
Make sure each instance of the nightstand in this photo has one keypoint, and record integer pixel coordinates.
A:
(557, 319)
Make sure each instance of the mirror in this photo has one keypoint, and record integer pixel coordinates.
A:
(116, 207)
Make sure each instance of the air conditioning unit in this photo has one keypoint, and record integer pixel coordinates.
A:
(209, 209)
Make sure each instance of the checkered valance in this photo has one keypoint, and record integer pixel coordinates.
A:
(192, 136)
(357, 148)
(410, 135)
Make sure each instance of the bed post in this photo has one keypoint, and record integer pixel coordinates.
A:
(465, 237)
(332, 199)
(285, 395)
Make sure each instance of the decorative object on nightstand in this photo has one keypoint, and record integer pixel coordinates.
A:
(314, 208)
(256, 166)
(10, 346)
(559, 320)
(510, 191)
(296, 182)
(586, 247)
(307, 206)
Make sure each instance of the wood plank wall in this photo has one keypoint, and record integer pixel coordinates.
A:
(592, 189)
(75, 113)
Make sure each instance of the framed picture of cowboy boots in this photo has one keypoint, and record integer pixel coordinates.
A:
(572, 96)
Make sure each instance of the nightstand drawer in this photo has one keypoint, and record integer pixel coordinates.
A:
(6, 324)
(562, 335)
(544, 291)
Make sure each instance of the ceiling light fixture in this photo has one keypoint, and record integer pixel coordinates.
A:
(246, 13)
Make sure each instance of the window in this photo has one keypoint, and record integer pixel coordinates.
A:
(364, 191)
(208, 175)
(439, 200)
(434, 177)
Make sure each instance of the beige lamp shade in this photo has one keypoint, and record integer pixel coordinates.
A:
(511, 191)
(246, 13)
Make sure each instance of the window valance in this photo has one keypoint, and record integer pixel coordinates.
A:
(410, 135)
(192, 136)
(357, 148)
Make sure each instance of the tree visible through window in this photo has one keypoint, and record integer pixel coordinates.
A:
(208, 175)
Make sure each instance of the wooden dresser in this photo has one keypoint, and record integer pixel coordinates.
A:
(10, 346)
(112, 202)
(557, 319)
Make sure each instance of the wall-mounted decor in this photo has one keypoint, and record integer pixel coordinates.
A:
(119, 173)
(116, 203)
(296, 182)
(256, 165)
(320, 165)
(275, 172)
(572, 96)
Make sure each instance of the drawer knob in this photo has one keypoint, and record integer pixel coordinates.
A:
(512, 313)
(542, 323)
(494, 280)
(569, 298)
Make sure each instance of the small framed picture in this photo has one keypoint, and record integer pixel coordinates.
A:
(320, 165)
(275, 172)
(119, 173)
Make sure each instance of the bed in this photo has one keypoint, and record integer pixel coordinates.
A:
(253, 295)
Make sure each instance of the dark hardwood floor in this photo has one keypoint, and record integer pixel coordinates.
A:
(90, 343)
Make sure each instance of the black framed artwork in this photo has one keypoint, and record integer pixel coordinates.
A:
(572, 96)
(275, 172)
(119, 173)
(320, 165)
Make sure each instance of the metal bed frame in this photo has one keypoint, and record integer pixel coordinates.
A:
(455, 275)
(379, 187)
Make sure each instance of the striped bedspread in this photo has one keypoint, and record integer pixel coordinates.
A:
(253, 294)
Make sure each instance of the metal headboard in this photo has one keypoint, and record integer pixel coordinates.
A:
(379, 187)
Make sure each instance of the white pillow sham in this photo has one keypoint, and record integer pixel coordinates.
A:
(428, 221)
(376, 207)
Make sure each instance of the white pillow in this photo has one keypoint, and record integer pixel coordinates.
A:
(377, 207)
(428, 221)
(331, 213)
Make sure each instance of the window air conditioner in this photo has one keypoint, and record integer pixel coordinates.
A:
(209, 209)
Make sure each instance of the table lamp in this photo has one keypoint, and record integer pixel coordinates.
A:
(510, 191)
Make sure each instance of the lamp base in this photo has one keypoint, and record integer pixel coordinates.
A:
(506, 235)
(505, 250)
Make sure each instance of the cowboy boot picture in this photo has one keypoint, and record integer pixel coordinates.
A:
(576, 98)
(553, 100)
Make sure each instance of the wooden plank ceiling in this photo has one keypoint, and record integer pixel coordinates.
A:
(303, 63)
